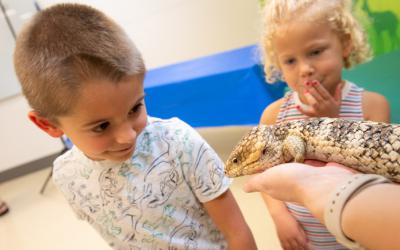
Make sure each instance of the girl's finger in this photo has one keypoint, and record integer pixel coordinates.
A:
(311, 97)
(321, 90)
(310, 111)
(312, 92)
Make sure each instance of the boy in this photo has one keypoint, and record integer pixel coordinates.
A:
(142, 182)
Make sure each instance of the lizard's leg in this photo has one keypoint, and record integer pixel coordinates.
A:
(294, 147)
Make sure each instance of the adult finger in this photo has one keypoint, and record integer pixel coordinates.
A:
(338, 165)
(254, 184)
(271, 177)
(315, 163)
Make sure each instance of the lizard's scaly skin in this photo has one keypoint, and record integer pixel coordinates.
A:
(369, 147)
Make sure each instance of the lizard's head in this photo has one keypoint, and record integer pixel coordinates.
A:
(258, 150)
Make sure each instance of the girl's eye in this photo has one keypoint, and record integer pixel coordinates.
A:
(136, 108)
(102, 127)
(290, 61)
(316, 52)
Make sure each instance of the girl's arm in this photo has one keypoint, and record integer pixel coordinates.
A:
(226, 214)
(270, 113)
(375, 107)
(290, 233)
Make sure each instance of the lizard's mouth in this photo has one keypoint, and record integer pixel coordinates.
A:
(249, 169)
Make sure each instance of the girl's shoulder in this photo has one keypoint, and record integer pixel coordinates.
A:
(375, 107)
(351, 87)
(271, 112)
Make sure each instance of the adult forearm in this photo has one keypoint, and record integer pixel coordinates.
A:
(372, 217)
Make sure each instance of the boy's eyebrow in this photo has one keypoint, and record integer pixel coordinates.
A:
(141, 98)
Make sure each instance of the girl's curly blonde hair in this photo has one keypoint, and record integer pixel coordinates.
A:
(337, 12)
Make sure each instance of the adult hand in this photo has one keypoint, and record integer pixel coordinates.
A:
(308, 184)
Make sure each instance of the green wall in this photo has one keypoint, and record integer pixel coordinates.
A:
(380, 19)
(381, 75)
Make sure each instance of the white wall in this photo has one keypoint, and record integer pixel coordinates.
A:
(21, 141)
(169, 31)
(166, 31)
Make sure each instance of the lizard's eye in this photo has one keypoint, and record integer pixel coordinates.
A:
(264, 151)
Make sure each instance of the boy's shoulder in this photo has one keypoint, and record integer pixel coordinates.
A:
(172, 125)
(73, 158)
(160, 122)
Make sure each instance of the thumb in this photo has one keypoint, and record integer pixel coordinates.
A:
(308, 112)
(256, 183)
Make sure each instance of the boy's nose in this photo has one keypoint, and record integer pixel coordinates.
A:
(125, 134)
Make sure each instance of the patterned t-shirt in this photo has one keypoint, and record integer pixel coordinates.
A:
(154, 199)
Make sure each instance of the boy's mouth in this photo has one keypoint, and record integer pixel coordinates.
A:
(125, 149)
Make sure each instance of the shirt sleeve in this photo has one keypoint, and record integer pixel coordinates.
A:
(202, 167)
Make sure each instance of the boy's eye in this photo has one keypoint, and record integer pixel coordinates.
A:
(100, 128)
(136, 108)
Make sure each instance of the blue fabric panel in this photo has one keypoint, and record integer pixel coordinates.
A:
(223, 89)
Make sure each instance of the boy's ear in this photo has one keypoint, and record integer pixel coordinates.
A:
(45, 125)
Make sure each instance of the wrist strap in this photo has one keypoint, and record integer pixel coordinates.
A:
(338, 200)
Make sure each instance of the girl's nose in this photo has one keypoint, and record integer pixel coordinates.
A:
(125, 134)
(306, 69)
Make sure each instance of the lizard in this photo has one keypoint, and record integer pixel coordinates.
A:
(366, 146)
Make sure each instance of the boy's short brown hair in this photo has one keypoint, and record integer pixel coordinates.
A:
(64, 45)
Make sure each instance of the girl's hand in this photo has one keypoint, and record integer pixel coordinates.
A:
(321, 102)
(291, 235)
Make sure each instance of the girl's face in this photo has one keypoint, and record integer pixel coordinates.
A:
(107, 119)
(310, 51)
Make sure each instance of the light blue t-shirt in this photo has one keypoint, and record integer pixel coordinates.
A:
(153, 200)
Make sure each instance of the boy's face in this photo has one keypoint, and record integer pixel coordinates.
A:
(309, 51)
(107, 119)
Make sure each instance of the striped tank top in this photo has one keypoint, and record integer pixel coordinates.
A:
(351, 108)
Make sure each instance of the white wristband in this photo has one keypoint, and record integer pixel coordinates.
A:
(339, 198)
